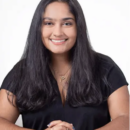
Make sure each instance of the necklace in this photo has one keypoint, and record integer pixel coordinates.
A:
(64, 84)
(62, 77)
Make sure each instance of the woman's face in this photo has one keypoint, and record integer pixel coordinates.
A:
(58, 28)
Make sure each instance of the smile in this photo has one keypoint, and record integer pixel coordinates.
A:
(58, 42)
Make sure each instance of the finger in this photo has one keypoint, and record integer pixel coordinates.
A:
(67, 125)
(58, 127)
(53, 123)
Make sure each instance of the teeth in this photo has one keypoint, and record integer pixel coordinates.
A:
(58, 40)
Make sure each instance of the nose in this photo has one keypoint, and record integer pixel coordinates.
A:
(57, 32)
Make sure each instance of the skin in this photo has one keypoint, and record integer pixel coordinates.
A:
(118, 101)
(55, 26)
(61, 26)
(58, 23)
(118, 105)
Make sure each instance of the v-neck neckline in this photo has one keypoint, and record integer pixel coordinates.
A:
(59, 94)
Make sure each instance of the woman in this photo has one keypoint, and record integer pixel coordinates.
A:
(61, 83)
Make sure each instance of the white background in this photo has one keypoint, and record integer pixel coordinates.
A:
(107, 21)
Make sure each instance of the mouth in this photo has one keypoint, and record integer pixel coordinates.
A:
(58, 42)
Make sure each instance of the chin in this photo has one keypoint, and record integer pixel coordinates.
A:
(59, 52)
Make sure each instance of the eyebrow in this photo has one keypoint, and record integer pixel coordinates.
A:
(63, 19)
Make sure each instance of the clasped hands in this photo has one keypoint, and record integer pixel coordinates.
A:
(60, 125)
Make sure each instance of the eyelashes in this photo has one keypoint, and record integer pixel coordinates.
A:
(51, 23)
(48, 23)
(68, 23)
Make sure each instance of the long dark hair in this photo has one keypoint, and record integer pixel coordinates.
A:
(33, 83)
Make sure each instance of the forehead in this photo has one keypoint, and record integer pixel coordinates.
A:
(57, 10)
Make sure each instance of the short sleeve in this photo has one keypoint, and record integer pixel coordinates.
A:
(11, 81)
(116, 78)
(7, 80)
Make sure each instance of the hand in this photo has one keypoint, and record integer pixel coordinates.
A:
(60, 125)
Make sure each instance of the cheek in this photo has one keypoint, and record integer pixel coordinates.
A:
(44, 37)
(72, 34)
(45, 33)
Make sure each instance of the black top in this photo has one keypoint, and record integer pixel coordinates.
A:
(83, 118)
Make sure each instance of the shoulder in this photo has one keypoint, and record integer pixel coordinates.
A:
(110, 66)
(13, 75)
(112, 72)
(105, 62)
(105, 59)
(15, 69)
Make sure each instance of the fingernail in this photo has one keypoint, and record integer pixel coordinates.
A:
(48, 124)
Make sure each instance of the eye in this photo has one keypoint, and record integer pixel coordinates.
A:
(67, 24)
(48, 23)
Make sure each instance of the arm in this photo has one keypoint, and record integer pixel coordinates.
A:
(8, 113)
(118, 104)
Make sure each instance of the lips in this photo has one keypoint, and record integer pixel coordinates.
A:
(58, 41)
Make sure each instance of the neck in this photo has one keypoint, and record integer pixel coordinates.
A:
(60, 62)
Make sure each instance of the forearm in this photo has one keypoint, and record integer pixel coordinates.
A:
(120, 123)
(47, 129)
(6, 125)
